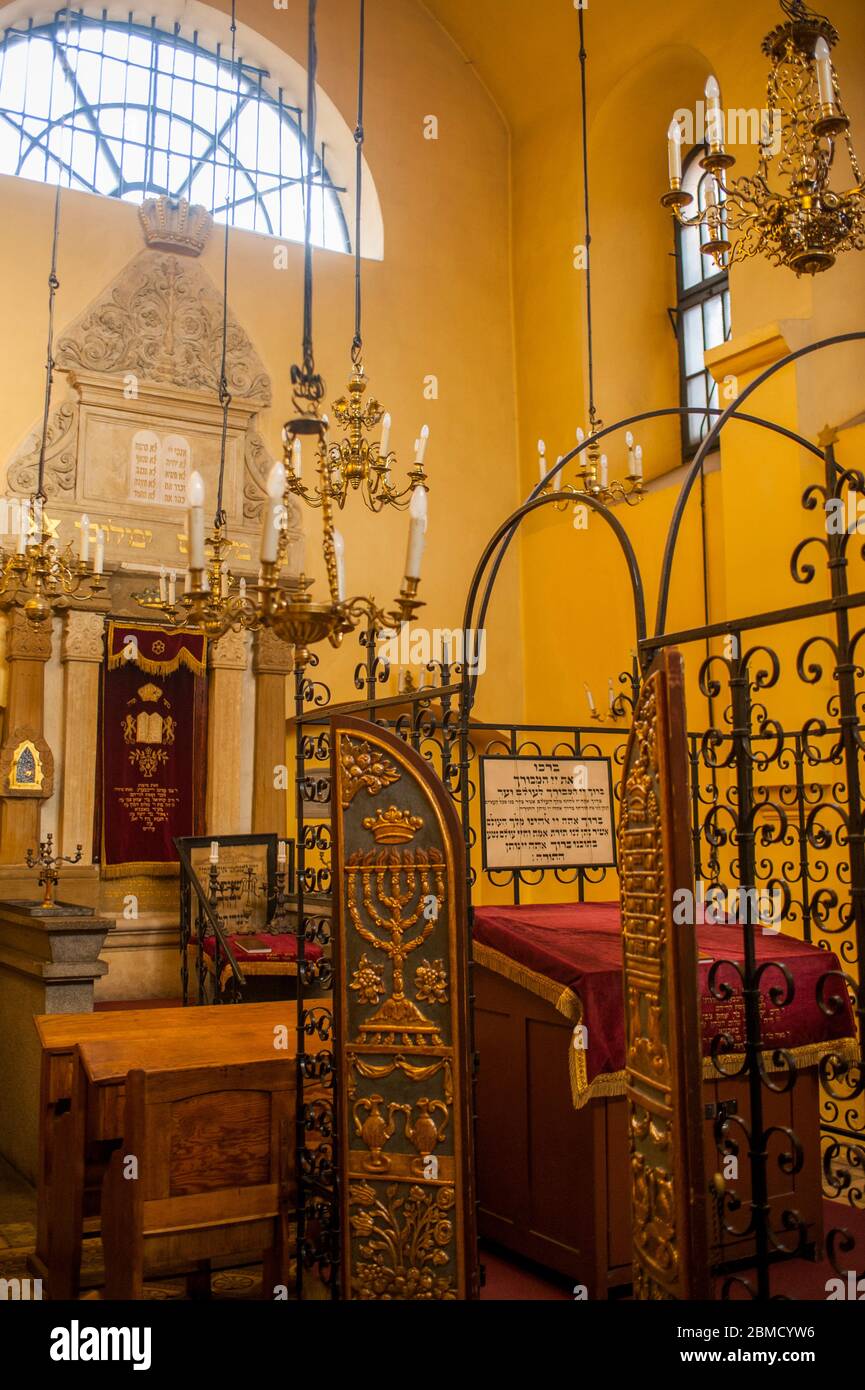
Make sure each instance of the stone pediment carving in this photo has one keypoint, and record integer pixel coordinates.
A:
(61, 449)
(161, 319)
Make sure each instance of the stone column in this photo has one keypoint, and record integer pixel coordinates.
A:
(27, 650)
(272, 662)
(228, 660)
(81, 653)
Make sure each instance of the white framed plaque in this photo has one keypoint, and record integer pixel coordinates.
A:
(547, 813)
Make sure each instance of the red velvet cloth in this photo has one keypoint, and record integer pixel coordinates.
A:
(579, 946)
(283, 947)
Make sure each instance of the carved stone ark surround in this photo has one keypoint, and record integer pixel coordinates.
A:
(83, 636)
(161, 319)
(230, 653)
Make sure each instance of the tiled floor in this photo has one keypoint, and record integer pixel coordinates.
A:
(507, 1277)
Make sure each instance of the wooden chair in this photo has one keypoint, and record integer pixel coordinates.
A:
(213, 1150)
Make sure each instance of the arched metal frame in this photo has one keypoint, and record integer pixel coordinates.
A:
(255, 186)
(748, 741)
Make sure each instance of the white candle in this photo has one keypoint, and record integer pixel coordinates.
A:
(638, 461)
(714, 119)
(280, 853)
(339, 554)
(172, 586)
(557, 480)
(823, 64)
(416, 532)
(674, 153)
(84, 547)
(214, 851)
(297, 457)
(195, 498)
(273, 514)
(602, 471)
(163, 584)
(589, 698)
(629, 441)
(242, 588)
(384, 446)
(542, 459)
(223, 583)
(99, 562)
(186, 581)
(23, 525)
(580, 435)
(420, 445)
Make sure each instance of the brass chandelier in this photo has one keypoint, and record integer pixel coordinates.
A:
(801, 223)
(218, 601)
(356, 463)
(38, 577)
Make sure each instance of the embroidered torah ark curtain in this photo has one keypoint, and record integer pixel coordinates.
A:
(153, 748)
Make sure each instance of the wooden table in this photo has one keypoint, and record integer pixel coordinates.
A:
(78, 1132)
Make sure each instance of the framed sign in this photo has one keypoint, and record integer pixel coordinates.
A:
(547, 813)
(247, 877)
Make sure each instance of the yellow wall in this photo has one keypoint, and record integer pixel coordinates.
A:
(435, 305)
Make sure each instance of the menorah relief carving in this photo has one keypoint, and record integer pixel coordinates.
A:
(394, 898)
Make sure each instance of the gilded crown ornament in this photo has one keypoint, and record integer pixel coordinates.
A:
(173, 224)
(794, 219)
(393, 827)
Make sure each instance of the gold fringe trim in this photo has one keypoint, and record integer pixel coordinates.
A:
(562, 998)
(160, 868)
(615, 1083)
(148, 664)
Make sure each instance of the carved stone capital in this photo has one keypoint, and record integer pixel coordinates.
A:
(82, 636)
(24, 642)
(230, 653)
(271, 656)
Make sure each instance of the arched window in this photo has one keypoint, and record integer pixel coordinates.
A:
(702, 311)
(129, 110)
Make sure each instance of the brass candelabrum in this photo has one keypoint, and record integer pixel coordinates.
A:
(355, 463)
(802, 223)
(47, 862)
(592, 469)
(40, 577)
(217, 601)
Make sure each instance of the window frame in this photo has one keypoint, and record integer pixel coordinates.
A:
(711, 287)
(83, 117)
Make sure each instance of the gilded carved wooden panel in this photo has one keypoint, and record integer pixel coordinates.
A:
(406, 1150)
(662, 1041)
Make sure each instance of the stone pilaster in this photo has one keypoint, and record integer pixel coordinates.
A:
(81, 653)
(228, 661)
(272, 662)
(27, 650)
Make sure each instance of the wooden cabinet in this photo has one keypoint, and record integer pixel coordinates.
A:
(553, 1181)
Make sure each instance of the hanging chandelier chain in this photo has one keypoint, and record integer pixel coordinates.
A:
(357, 342)
(312, 66)
(587, 218)
(53, 287)
(220, 518)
